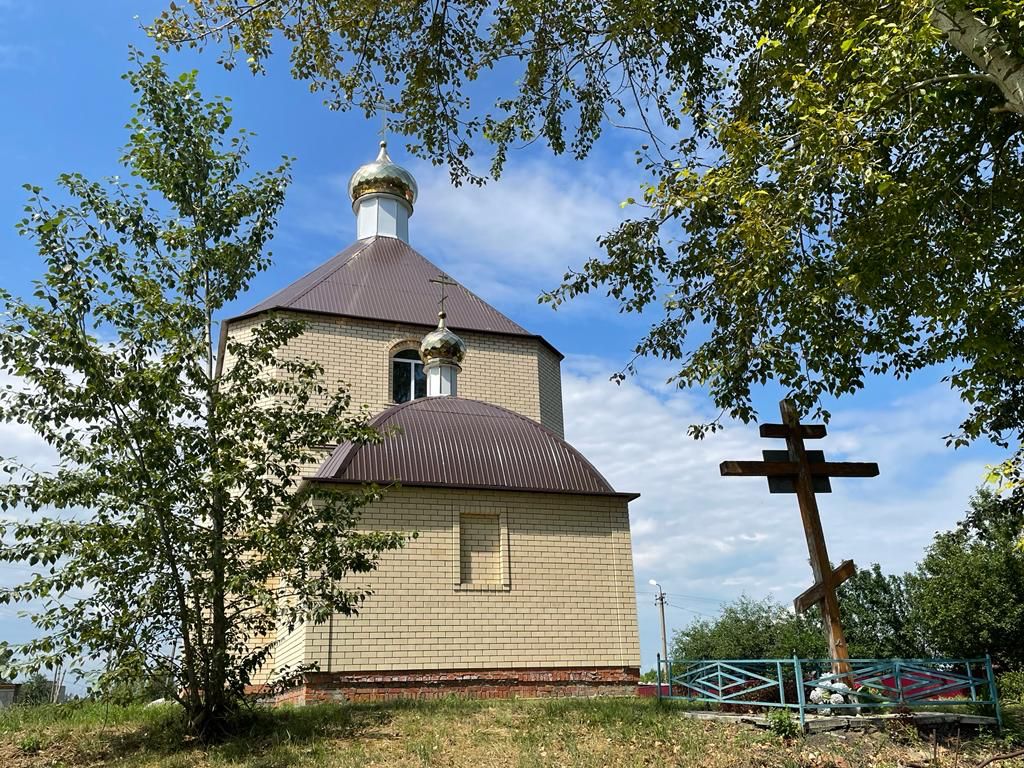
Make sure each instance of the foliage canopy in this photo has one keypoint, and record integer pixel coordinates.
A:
(833, 186)
(876, 619)
(878, 616)
(751, 629)
(966, 592)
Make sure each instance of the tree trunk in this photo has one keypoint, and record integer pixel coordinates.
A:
(217, 700)
(980, 42)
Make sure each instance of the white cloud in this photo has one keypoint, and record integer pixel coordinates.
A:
(528, 227)
(20, 441)
(705, 536)
(506, 241)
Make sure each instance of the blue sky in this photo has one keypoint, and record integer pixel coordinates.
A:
(706, 538)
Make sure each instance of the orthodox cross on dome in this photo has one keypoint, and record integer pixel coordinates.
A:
(442, 281)
(797, 470)
(442, 351)
(382, 107)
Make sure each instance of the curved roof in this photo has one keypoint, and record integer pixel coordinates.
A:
(460, 443)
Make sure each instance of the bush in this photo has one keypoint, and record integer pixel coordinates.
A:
(751, 629)
(783, 724)
(36, 690)
(1011, 686)
(30, 743)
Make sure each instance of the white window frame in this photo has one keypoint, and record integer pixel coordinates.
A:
(396, 360)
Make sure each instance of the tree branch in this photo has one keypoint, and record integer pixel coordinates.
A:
(980, 42)
(998, 758)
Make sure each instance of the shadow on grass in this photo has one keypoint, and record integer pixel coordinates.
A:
(258, 731)
(89, 732)
(86, 732)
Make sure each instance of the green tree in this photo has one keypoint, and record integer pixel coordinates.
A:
(966, 593)
(839, 196)
(37, 689)
(751, 629)
(875, 609)
(878, 617)
(174, 518)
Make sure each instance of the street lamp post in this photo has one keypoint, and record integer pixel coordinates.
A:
(660, 602)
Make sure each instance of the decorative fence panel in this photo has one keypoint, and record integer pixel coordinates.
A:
(810, 686)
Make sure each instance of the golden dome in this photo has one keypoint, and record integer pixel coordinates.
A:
(442, 344)
(383, 175)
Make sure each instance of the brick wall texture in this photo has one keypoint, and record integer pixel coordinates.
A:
(479, 550)
(501, 593)
(484, 684)
(518, 373)
(569, 600)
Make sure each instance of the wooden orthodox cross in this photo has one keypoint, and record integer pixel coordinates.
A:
(804, 472)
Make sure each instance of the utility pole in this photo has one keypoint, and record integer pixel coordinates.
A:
(660, 602)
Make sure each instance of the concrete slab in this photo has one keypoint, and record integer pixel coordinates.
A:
(821, 724)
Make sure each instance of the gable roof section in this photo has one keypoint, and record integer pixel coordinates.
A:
(454, 442)
(383, 278)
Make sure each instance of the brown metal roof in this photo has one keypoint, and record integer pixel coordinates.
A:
(383, 278)
(454, 442)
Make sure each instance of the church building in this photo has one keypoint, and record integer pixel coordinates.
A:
(520, 581)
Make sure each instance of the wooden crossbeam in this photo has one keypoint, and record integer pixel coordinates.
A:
(792, 468)
(807, 431)
(816, 594)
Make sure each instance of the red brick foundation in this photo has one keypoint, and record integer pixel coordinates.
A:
(476, 683)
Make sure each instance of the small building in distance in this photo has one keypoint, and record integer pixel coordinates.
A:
(8, 692)
(520, 581)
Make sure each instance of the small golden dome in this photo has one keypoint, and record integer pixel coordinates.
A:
(442, 344)
(383, 175)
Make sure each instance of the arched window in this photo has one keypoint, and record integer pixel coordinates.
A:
(408, 381)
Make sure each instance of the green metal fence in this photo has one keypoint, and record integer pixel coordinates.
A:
(810, 686)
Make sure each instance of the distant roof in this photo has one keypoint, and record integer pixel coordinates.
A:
(459, 443)
(383, 278)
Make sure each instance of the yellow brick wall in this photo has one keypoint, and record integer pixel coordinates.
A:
(520, 374)
(479, 549)
(568, 597)
(574, 549)
(288, 654)
(549, 369)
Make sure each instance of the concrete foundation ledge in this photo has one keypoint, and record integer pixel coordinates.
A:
(821, 724)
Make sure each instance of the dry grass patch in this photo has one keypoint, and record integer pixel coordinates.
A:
(459, 733)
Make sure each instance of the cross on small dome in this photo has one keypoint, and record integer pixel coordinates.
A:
(442, 351)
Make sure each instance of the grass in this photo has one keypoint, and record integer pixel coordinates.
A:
(457, 733)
